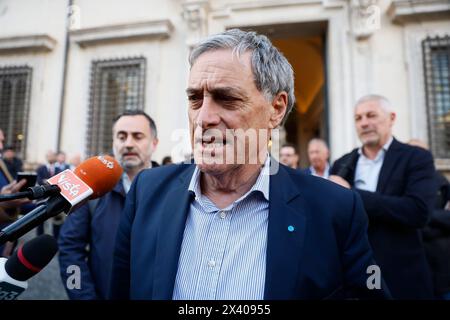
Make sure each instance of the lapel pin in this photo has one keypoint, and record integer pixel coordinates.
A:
(291, 228)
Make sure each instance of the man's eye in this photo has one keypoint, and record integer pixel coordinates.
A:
(226, 98)
(194, 97)
(195, 101)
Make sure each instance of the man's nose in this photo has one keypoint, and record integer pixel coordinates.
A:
(129, 142)
(208, 115)
(364, 122)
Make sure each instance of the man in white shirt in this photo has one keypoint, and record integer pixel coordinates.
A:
(396, 184)
(318, 155)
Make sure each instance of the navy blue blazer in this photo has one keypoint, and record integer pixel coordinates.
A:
(399, 208)
(83, 228)
(326, 257)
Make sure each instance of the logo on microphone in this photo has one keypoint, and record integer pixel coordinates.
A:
(65, 184)
(108, 164)
(72, 187)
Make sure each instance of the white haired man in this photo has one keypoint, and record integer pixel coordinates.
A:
(237, 229)
(396, 184)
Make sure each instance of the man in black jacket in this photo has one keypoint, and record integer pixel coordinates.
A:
(94, 224)
(397, 186)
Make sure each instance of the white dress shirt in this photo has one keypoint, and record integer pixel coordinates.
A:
(368, 170)
(326, 172)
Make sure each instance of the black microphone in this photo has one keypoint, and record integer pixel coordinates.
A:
(54, 206)
(92, 178)
(25, 262)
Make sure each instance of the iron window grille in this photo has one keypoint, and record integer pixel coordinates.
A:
(15, 87)
(436, 57)
(116, 85)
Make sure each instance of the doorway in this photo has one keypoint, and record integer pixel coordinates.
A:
(304, 45)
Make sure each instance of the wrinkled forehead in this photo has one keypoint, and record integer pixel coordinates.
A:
(221, 61)
(225, 54)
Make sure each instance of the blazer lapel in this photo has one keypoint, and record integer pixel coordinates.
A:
(285, 238)
(170, 236)
(389, 162)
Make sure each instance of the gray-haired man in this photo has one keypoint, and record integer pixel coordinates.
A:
(397, 186)
(225, 227)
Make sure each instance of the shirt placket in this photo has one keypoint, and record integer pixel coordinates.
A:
(213, 257)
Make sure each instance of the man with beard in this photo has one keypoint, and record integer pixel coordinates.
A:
(397, 186)
(95, 223)
(236, 224)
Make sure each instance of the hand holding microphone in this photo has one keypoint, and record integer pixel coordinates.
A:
(8, 198)
(91, 179)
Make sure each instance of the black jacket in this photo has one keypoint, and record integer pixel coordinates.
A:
(397, 211)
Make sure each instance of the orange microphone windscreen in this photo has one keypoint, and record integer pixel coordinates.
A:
(101, 173)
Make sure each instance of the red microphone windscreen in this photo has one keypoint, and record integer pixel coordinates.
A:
(101, 173)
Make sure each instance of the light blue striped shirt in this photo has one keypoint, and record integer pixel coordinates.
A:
(223, 253)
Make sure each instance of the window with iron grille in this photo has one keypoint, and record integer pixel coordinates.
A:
(116, 85)
(15, 86)
(436, 54)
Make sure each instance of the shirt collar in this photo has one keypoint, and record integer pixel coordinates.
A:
(325, 172)
(261, 184)
(384, 149)
(126, 182)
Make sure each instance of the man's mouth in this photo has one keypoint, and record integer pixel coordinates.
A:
(214, 144)
(130, 154)
(211, 142)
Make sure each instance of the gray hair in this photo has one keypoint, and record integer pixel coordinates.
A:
(272, 72)
(382, 100)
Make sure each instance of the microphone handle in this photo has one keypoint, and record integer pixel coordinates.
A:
(14, 196)
(51, 208)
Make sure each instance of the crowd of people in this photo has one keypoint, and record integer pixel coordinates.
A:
(212, 230)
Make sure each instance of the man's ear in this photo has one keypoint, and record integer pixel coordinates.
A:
(155, 143)
(393, 116)
(279, 108)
